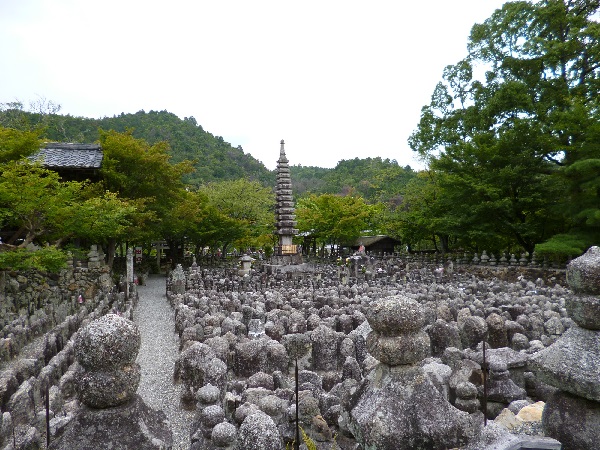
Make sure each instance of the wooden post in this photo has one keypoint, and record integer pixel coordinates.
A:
(47, 416)
(129, 281)
(297, 441)
(485, 370)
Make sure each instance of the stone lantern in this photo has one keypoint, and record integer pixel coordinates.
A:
(245, 265)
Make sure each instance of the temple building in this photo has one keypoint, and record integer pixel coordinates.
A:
(73, 162)
(286, 251)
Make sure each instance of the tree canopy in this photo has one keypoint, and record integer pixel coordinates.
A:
(374, 179)
(246, 211)
(40, 207)
(511, 131)
(334, 219)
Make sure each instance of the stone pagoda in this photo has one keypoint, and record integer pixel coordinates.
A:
(286, 252)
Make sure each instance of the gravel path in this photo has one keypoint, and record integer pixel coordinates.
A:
(158, 353)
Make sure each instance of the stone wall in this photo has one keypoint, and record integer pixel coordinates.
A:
(31, 303)
(40, 317)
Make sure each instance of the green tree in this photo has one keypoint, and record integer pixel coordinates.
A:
(374, 179)
(194, 221)
(334, 219)
(308, 179)
(504, 141)
(138, 170)
(143, 175)
(246, 211)
(34, 200)
(421, 214)
(15, 144)
(97, 218)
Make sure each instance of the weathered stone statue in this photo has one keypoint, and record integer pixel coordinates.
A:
(397, 406)
(112, 415)
(572, 364)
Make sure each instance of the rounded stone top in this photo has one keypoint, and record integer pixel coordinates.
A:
(583, 273)
(208, 394)
(259, 432)
(223, 434)
(212, 415)
(395, 315)
(466, 390)
(107, 343)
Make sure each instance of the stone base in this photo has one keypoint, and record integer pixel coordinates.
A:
(497, 437)
(132, 425)
(574, 421)
(286, 260)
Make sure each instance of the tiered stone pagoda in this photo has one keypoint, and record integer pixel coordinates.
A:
(286, 252)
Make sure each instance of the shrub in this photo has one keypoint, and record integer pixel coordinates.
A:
(46, 259)
(564, 245)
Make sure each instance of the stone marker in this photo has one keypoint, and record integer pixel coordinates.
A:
(397, 406)
(112, 415)
(572, 364)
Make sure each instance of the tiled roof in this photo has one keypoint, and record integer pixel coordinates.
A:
(81, 156)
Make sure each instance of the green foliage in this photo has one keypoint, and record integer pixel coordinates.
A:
(310, 444)
(143, 175)
(244, 210)
(46, 259)
(15, 144)
(508, 145)
(34, 199)
(422, 215)
(335, 219)
(98, 218)
(565, 245)
(76, 252)
(136, 169)
(268, 251)
(195, 220)
(374, 179)
(308, 179)
(214, 159)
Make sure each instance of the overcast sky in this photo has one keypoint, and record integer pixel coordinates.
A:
(334, 79)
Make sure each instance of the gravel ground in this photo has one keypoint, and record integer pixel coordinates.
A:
(158, 353)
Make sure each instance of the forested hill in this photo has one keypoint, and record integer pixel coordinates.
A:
(375, 179)
(215, 158)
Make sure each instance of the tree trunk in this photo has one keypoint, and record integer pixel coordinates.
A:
(15, 236)
(224, 250)
(435, 243)
(110, 252)
(444, 239)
